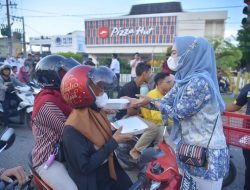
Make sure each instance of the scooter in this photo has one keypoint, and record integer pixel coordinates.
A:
(122, 153)
(224, 85)
(22, 105)
(159, 169)
(7, 138)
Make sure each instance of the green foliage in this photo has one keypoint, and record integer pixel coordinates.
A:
(124, 66)
(227, 54)
(5, 31)
(104, 60)
(76, 56)
(244, 45)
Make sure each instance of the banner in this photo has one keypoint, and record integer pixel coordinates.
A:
(131, 31)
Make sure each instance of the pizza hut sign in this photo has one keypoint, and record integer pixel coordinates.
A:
(120, 31)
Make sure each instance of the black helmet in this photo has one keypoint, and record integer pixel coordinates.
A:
(51, 69)
(5, 66)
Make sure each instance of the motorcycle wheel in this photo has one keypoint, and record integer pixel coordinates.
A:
(122, 153)
(230, 177)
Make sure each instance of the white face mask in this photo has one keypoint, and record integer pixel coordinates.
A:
(102, 100)
(173, 63)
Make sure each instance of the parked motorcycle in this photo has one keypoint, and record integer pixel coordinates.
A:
(224, 84)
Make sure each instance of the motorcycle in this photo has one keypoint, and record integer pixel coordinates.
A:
(22, 105)
(159, 169)
(122, 153)
(224, 85)
(38, 182)
(7, 138)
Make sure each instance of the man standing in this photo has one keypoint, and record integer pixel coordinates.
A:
(133, 65)
(115, 67)
(242, 99)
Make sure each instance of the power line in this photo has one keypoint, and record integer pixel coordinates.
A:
(33, 29)
(101, 14)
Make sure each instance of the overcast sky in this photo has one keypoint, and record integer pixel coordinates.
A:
(59, 17)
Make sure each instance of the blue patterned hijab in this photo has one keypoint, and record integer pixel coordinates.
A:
(198, 60)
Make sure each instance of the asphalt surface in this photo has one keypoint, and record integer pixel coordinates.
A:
(18, 155)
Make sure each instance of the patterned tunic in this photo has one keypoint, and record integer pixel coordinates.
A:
(47, 132)
(195, 97)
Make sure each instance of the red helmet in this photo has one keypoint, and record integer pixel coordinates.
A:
(75, 87)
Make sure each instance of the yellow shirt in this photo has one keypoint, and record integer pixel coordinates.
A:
(154, 115)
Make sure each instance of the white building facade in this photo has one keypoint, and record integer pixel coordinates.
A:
(72, 42)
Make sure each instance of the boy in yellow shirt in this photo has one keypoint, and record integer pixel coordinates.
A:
(164, 82)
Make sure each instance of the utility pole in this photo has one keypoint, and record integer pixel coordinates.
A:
(24, 42)
(23, 35)
(9, 28)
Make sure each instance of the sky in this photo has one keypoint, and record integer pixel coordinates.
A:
(59, 17)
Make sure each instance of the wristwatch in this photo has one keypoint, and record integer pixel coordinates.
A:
(153, 100)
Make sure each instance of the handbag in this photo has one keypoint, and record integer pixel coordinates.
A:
(193, 154)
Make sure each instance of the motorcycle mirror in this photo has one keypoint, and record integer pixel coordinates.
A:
(150, 154)
(7, 138)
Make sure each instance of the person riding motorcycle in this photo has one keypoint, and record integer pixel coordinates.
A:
(88, 141)
(24, 74)
(49, 114)
(8, 99)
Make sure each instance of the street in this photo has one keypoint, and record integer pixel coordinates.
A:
(18, 155)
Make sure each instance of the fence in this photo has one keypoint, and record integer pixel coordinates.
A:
(237, 81)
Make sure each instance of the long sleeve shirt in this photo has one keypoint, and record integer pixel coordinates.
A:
(196, 112)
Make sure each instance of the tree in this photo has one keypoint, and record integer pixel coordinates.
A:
(227, 54)
(106, 61)
(244, 45)
(76, 56)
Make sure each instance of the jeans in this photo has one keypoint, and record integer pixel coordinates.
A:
(8, 108)
(118, 82)
(246, 154)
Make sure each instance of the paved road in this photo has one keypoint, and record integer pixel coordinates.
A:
(18, 153)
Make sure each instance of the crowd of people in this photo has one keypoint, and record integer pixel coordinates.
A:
(69, 111)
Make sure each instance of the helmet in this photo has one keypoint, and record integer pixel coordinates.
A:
(50, 70)
(5, 66)
(75, 86)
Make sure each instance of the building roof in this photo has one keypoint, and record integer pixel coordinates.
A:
(153, 8)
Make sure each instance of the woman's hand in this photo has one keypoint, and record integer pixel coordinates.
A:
(109, 111)
(120, 137)
(135, 103)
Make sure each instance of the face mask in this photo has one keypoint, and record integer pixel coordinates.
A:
(26, 68)
(102, 100)
(173, 63)
(144, 89)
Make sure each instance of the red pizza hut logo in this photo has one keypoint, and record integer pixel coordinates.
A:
(103, 32)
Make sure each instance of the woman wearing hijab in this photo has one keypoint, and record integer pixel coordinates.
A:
(195, 104)
(88, 141)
